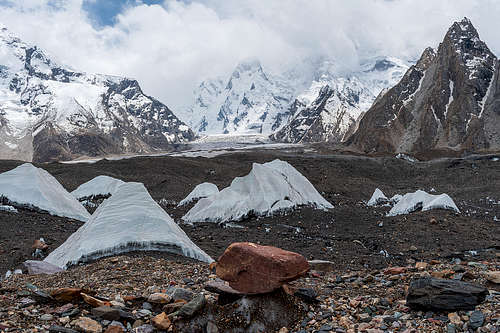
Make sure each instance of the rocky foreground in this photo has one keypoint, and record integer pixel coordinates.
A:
(148, 294)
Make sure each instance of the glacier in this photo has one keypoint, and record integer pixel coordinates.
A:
(378, 198)
(130, 220)
(411, 202)
(34, 187)
(100, 185)
(202, 190)
(269, 188)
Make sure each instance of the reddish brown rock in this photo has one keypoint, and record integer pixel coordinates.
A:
(94, 301)
(39, 245)
(255, 269)
(395, 270)
(161, 321)
(67, 294)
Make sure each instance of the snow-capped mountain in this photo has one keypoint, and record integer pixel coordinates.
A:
(450, 99)
(293, 105)
(248, 102)
(329, 110)
(51, 112)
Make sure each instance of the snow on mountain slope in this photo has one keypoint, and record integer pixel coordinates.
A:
(332, 106)
(130, 220)
(51, 112)
(254, 101)
(29, 186)
(100, 185)
(269, 188)
(248, 102)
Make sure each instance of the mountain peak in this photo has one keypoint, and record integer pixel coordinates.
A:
(463, 32)
(248, 65)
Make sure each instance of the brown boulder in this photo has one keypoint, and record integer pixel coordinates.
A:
(161, 321)
(67, 294)
(255, 269)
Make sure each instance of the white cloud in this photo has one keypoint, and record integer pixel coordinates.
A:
(170, 48)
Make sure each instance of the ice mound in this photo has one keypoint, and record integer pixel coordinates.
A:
(100, 185)
(378, 198)
(202, 190)
(420, 199)
(6, 208)
(34, 187)
(268, 188)
(130, 220)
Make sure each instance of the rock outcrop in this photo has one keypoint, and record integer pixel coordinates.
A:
(450, 99)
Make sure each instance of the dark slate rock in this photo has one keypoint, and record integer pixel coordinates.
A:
(308, 295)
(444, 295)
(476, 319)
(60, 329)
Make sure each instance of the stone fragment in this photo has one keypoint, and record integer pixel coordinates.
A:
(60, 329)
(93, 301)
(308, 295)
(67, 294)
(87, 325)
(161, 321)
(196, 304)
(39, 245)
(255, 269)
(322, 265)
(444, 295)
(114, 329)
(41, 267)
(476, 319)
(106, 312)
(493, 276)
(159, 298)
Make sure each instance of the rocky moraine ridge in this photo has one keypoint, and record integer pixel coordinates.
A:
(49, 111)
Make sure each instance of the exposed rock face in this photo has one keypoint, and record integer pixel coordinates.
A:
(449, 100)
(444, 295)
(340, 103)
(255, 269)
(51, 112)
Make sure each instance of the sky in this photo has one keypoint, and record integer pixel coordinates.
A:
(171, 46)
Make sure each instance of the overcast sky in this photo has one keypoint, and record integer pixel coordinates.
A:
(169, 46)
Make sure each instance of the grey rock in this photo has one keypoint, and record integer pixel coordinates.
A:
(308, 295)
(195, 305)
(41, 267)
(444, 295)
(106, 312)
(144, 329)
(211, 328)
(46, 317)
(180, 293)
(476, 319)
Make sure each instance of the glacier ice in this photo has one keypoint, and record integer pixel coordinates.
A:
(130, 220)
(100, 185)
(269, 188)
(202, 190)
(378, 198)
(411, 202)
(34, 187)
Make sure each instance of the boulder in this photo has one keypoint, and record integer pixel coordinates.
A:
(67, 294)
(161, 321)
(255, 269)
(41, 267)
(444, 295)
(87, 325)
(493, 276)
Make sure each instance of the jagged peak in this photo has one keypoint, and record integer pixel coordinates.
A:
(426, 58)
(248, 65)
(461, 31)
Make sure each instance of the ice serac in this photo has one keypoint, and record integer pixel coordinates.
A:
(49, 111)
(411, 202)
(100, 185)
(32, 187)
(130, 220)
(377, 198)
(449, 100)
(269, 188)
(330, 109)
(202, 190)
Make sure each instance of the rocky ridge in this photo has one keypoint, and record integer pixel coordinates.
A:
(448, 100)
(51, 112)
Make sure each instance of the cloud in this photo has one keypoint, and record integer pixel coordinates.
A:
(170, 47)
